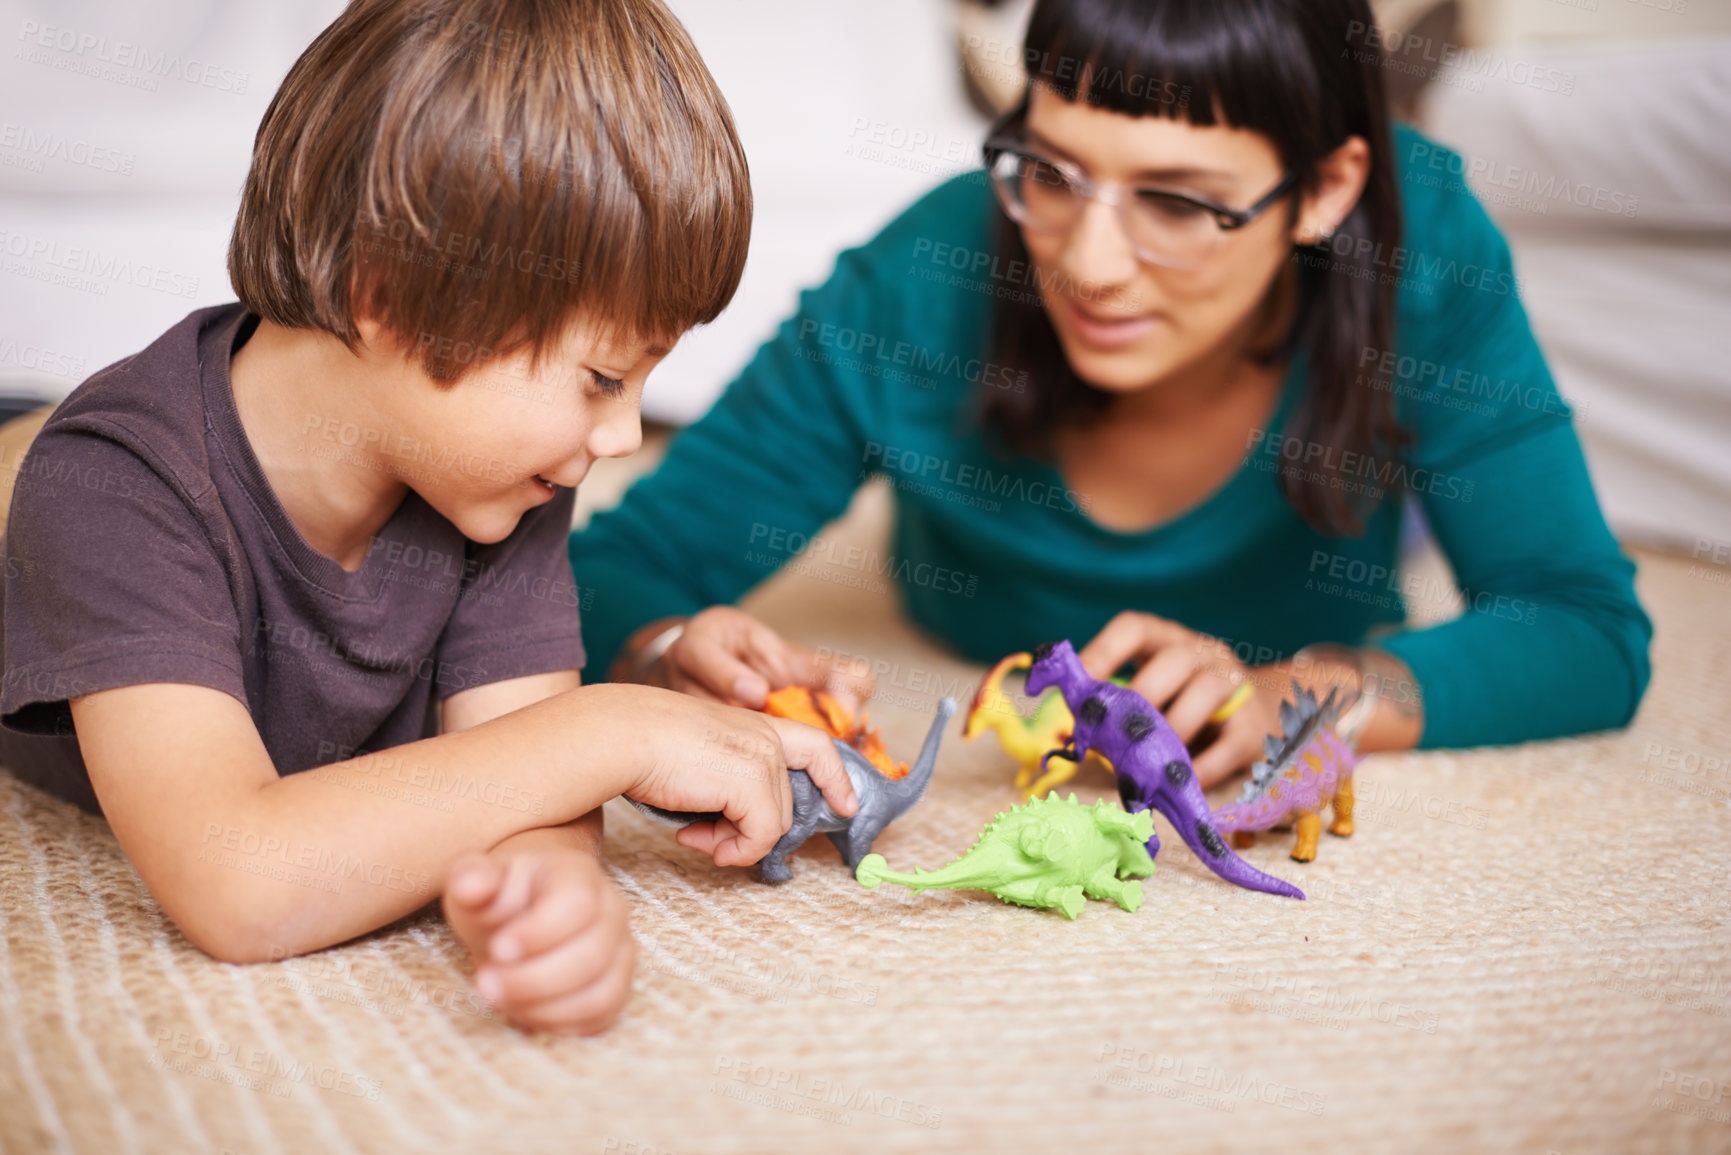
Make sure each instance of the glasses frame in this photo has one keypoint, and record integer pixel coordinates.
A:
(1006, 142)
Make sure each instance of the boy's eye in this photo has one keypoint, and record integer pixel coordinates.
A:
(609, 386)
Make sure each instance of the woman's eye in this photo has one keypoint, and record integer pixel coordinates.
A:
(1166, 207)
(609, 386)
(1048, 175)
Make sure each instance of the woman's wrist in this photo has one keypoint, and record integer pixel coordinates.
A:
(1381, 704)
(646, 646)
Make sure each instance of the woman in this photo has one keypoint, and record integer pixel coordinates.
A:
(1161, 378)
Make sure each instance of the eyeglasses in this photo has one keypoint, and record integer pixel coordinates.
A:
(1166, 228)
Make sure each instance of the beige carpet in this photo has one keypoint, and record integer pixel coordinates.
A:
(1525, 949)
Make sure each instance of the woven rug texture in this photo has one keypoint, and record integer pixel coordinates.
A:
(1521, 949)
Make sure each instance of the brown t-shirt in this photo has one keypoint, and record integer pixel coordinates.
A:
(145, 545)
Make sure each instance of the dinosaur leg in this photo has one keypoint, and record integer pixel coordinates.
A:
(1068, 899)
(1057, 773)
(1243, 839)
(1309, 827)
(774, 866)
(1342, 809)
(1133, 861)
(1134, 800)
(1106, 885)
(856, 841)
(1043, 892)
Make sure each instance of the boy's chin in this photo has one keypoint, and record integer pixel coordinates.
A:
(486, 524)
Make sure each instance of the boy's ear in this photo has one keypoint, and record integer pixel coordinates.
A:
(360, 309)
(369, 329)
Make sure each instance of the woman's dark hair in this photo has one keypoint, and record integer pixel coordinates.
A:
(1305, 74)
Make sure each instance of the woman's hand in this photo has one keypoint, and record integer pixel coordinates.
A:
(730, 656)
(1188, 676)
(550, 936)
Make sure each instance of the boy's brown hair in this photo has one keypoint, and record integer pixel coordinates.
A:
(472, 174)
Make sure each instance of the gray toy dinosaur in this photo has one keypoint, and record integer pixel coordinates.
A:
(881, 801)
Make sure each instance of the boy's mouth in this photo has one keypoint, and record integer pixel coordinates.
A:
(547, 488)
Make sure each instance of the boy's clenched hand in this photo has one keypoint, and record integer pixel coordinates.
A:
(549, 934)
(701, 756)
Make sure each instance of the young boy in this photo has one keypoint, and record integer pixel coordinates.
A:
(287, 596)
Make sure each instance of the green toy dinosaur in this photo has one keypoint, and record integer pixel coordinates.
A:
(1049, 853)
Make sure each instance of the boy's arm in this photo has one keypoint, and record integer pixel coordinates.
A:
(254, 866)
(470, 708)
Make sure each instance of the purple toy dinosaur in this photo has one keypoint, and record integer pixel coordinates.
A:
(1152, 765)
(1308, 766)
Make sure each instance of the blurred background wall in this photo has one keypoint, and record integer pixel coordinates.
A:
(1595, 130)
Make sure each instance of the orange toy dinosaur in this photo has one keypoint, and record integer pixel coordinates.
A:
(816, 708)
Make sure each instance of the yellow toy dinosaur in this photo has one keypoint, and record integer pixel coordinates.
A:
(1028, 740)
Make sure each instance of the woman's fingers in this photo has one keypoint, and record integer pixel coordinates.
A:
(1239, 745)
(850, 683)
(707, 661)
(1162, 678)
(1203, 694)
(1129, 637)
(1123, 639)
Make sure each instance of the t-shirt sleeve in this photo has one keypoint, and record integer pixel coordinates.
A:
(518, 612)
(111, 579)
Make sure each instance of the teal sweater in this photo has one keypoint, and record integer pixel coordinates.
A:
(878, 372)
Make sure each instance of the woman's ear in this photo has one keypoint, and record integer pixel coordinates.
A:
(1340, 179)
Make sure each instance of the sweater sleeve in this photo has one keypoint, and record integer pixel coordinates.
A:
(1552, 640)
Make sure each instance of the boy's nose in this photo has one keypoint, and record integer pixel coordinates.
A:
(618, 436)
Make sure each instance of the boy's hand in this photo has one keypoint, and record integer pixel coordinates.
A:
(703, 756)
(549, 934)
(728, 655)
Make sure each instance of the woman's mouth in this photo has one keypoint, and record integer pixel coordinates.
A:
(1104, 329)
(547, 488)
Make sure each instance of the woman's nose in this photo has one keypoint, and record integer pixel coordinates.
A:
(1097, 252)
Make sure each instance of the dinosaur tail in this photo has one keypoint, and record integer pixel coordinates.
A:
(990, 698)
(674, 817)
(972, 871)
(1259, 814)
(1187, 810)
(907, 791)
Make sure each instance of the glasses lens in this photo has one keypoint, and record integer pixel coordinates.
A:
(1169, 230)
(1036, 193)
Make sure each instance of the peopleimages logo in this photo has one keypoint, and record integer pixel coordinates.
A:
(87, 47)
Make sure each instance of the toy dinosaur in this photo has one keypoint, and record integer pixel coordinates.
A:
(1152, 765)
(1048, 853)
(1024, 739)
(881, 801)
(1307, 766)
(1028, 739)
(817, 708)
